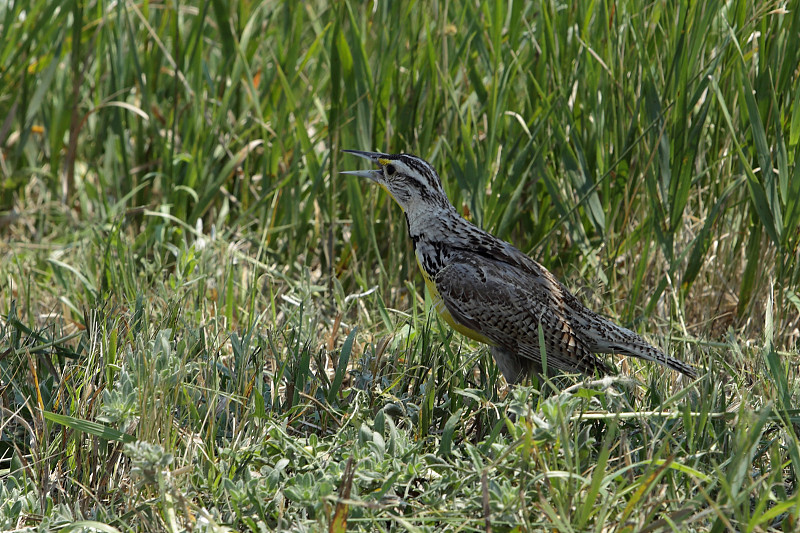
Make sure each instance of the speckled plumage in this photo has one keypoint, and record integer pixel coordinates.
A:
(492, 292)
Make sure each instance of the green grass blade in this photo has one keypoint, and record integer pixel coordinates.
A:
(90, 428)
(341, 367)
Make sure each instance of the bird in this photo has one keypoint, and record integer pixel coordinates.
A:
(490, 291)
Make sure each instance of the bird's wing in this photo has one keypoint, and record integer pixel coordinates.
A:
(507, 306)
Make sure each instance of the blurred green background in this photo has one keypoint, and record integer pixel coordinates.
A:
(607, 141)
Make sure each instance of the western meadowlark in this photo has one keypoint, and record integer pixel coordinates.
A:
(491, 292)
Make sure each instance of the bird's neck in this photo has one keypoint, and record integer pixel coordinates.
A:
(434, 224)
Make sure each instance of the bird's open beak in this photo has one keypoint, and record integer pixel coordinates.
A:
(376, 157)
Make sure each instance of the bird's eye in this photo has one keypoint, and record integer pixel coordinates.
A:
(390, 169)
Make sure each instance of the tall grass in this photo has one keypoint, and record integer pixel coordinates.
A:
(202, 321)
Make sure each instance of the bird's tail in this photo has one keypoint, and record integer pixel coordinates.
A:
(607, 337)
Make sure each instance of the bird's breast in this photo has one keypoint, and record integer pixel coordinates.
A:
(431, 257)
(430, 264)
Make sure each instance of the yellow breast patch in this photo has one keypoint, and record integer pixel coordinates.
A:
(441, 308)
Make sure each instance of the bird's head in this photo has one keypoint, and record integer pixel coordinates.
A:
(411, 181)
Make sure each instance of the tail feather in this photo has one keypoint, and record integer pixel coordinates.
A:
(606, 337)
